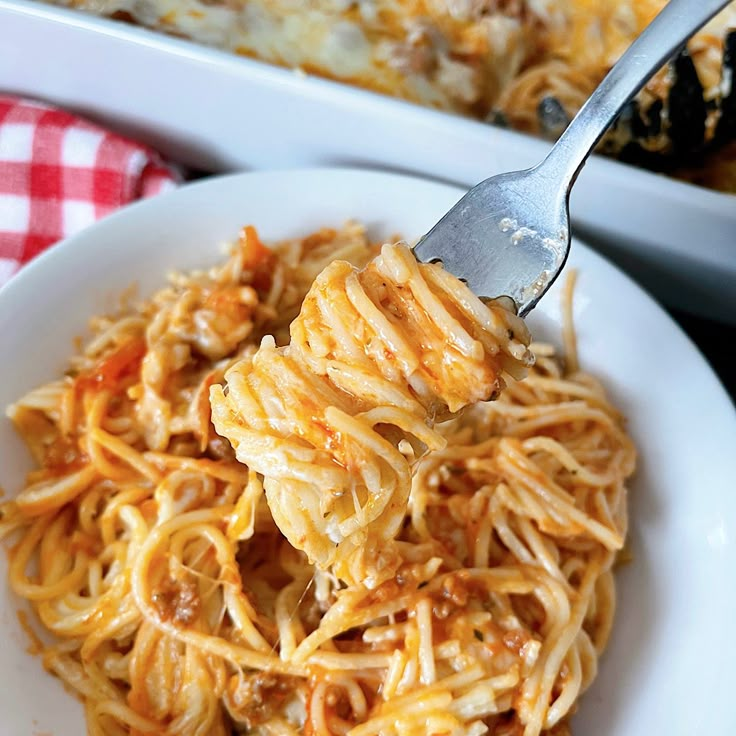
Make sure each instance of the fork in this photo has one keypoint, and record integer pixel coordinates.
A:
(510, 234)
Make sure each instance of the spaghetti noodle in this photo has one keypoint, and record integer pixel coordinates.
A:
(177, 604)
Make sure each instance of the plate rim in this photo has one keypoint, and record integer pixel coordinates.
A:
(45, 262)
(50, 255)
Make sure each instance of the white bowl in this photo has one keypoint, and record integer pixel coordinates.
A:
(218, 112)
(669, 668)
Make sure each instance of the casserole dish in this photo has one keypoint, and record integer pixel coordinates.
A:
(218, 112)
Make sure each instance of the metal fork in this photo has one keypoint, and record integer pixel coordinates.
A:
(510, 234)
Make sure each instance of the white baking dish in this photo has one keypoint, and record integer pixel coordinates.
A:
(218, 112)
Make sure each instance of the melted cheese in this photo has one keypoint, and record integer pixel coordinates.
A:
(474, 57)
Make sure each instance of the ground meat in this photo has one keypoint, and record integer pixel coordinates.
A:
(177, 600)
(254, 699)
(219, 448)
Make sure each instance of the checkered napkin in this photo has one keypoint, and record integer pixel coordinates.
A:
(59, 173)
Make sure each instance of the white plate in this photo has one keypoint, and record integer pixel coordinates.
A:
(669, 669)
(219, 112)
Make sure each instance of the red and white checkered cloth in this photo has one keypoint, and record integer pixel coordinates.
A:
(59, 173)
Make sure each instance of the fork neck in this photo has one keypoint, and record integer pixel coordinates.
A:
(677, 21)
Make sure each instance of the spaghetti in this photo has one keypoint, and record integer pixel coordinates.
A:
(375, 357)
(177, 604)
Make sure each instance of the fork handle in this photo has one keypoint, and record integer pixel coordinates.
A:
(674, 25)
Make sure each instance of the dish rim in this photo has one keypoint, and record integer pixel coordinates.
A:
(717, 202)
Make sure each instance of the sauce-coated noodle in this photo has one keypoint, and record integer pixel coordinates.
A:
(156, 561)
